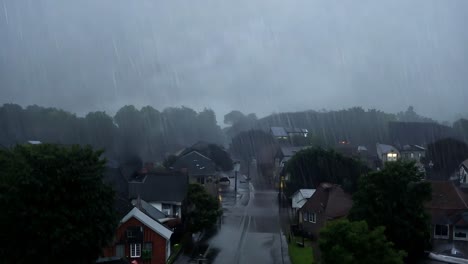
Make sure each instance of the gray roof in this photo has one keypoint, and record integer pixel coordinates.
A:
(285, 131)
(150, 210)
(278, 132)
(290, 151)
(412, 148)
(153, 187)
(384, 149)
(196, 164)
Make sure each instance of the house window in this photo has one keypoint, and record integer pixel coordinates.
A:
(392, 156)
(166, 209)
(441, 231)
(135, 250)
(460, 233)
(312, 217)
(147, 250)
(120, 250)
(412, 155)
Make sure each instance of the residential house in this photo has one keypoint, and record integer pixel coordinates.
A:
(286, 135)
(387, 153)
(448, 209)
(329, 202)
(142, 238)
(164, 190)
(463, 174)
(199, 167)
(412, 153)
(299, 198)
(283, 155)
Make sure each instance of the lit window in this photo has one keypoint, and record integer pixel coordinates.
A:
(135, 250)
(392, 156)
(441, 231)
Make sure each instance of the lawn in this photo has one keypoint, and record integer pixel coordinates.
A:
(300, 255)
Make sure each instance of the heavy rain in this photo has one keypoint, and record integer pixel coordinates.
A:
(259, 131)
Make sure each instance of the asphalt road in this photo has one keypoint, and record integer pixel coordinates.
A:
(250, 230)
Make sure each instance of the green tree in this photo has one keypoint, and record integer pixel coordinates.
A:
(312, 166)
(343, 242)
(394, 198)
(54, 204)
(202, 209)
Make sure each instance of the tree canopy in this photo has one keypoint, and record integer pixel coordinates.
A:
(312, 166)
(202, 209)
(148, 133)
(54, 204)
(343, 242)
(394, 198)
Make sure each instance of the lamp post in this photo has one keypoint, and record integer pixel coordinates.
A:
(236, 171)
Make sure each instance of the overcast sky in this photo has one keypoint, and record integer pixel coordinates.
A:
(258, 56)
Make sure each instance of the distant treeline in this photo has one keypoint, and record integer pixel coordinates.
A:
(355, 125)
(153, 135)
(147, 133)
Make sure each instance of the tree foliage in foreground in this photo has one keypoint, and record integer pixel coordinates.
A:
(202, 209)
(343, 242)
(55, 207)
(312, 166)
(394, 198)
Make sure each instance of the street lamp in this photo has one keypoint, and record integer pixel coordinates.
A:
(236, 171)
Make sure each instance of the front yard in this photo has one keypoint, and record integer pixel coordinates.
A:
(300, 255)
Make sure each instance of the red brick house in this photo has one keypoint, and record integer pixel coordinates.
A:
(448, 210)
(329, 202)
(141, 237)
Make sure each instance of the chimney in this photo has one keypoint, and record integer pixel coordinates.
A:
(138, 203)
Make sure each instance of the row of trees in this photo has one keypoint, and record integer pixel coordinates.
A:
(147, 132)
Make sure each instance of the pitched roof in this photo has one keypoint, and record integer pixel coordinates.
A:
(307, 193)
(465, 164)
(149, 222)
(149, 210)
(196, 164)
(446, 196)
(331, 200)
(278, 132)
(169, 187)
(290, 151)
(383, 149)
(412, 148)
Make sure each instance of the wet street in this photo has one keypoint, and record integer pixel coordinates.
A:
(249, 231)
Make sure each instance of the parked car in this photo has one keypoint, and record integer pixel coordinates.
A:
(224, 181)
(449, 256)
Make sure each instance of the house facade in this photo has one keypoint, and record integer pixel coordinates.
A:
(387, 153)
(329, 202)
(164, 190)
(140, 237)
(200, 168)
(412, 153)
(448, 210)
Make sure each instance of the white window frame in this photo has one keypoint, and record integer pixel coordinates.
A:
(312, 217)
(465, 230)
(135, 250)
(439, 236)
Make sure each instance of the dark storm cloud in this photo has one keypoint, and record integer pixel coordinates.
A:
(256, 56)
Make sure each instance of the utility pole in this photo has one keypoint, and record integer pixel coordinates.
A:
(236, 171)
